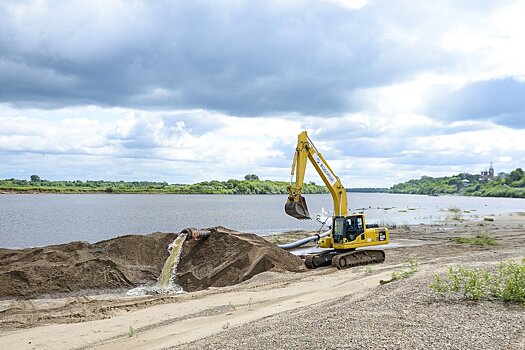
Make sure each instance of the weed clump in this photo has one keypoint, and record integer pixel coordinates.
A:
(506, 283)
(456, 213)
(132, 332)
(412, 268)
(479, 239)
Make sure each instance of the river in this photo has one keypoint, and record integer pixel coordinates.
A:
(29, 220)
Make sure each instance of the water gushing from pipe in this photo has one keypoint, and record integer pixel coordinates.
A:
(168, 276)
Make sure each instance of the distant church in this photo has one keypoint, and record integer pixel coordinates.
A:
(487, 175)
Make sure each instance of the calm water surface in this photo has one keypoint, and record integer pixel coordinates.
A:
(35, 220)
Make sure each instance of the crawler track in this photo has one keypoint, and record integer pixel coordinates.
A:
(344, 259)
(357, 258)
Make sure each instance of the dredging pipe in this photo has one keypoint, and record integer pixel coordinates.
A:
(196, 234)
(303, 241)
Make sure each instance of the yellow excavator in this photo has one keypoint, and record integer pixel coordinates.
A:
(348, 231)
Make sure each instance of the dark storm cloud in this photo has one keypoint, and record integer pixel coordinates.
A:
(250, 58)
(500, 101)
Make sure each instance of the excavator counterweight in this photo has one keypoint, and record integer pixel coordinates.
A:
(298, 209)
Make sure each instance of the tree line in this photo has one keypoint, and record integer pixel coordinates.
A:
(508, 185)
(251, 184)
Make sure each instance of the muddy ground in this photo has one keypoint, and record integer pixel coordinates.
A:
(283, 309)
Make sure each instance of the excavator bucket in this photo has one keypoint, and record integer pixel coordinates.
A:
(298, 209)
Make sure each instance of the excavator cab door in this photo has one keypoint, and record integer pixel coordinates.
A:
(298, 209)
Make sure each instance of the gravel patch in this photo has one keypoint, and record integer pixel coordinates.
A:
(404, 314)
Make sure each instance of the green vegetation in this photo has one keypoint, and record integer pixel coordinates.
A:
(411, 268)
(455, 213)
(250, 185)
(512, 185)
(131, 332)
(480, 239)
(506, 283)
(232, 306)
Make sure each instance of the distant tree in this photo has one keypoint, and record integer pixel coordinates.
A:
(35, 178)
(516, 175)
(251, 177)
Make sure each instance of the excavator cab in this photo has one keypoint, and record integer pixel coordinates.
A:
(298, 209)
(349, 228)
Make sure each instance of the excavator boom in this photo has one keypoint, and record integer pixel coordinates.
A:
(296, 204)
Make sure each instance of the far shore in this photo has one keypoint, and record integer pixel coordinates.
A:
(66, 192)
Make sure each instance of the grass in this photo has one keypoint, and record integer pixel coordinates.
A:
(479, 239)
(131, 332)
(506, 283)
(232, 306)
(456, 213)
(411, 268)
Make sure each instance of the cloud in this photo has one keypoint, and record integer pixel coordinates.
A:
(183, 142)
(239, 58)
(183, 147)
(500, 101)
(188, 91)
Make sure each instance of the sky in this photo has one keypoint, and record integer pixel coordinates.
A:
(188, 91)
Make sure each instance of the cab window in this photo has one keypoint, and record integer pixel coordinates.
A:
(360, 225)
(339, 229)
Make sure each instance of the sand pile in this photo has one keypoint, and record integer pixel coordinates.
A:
(228, 257)
(225, 258)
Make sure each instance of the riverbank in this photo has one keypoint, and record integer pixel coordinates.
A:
(250, 185)
(310, 310)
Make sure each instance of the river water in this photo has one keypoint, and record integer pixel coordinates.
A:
(35, 220)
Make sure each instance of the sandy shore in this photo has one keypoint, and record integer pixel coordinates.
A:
(320, 309)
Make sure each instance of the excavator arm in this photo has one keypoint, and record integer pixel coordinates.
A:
(296, 204)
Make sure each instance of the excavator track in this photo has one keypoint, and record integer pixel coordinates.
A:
(357, 258)
(313, 261)
(344, 259)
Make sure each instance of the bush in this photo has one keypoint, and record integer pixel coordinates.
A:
(413, 267)
(480, 239)
(507, 283)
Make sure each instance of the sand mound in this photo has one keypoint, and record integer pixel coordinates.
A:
(225, 258)
(228, 257)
